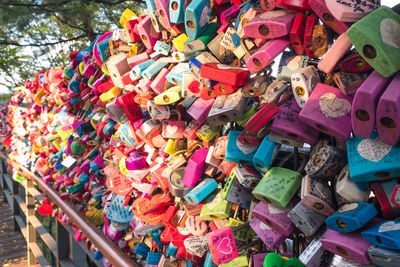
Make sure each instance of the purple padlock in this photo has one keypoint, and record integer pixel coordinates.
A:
(135, 161)
(200, 108)
(271, 238)
(365, 103)
(275, 217)
(348, 245)
(328, 110)
(388, 113)
(287, 123)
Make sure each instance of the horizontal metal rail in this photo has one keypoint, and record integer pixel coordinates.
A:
(111, 251)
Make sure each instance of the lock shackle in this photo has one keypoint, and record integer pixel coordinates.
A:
(303, 158)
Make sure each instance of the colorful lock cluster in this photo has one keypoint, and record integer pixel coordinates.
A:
(188, 145)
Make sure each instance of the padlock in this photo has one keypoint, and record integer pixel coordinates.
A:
(348, 83)
(203, 40)
(305, 219)
(328, 110)
(222, 245)
(175, 75)
(177, 11)
(137, 70)
(201, 191)
(278, 186)
(220, 147)
(215, 208)
(314, 254)
(395, 198)
(365, 103)
(297, 33)
(163, 10)
(317, 195)
(265, 155)
(191, 87)
(373, 38)
(173, 129)
(383, 191)
(290, 64)
(197, 16)
(248, 16)
(207, 132)
(147, 32)
(195, 167)
(266, 54)
(151, 71)
(224, 89)
(236, 193)
(131, 26)
(227, 108)
(225, 73)
(383, 257)
(326, 163)
(237, 152)
(321, 39)
(371, 159)
(276, 217)
(384, 234)
(308, 33)
(230, 40)
(158, 82)
(273, 92)
(353, 62)
(351, 217)
(158, 112)
(271, 238)
(169, 96)
(320, 8)
(117, 66)
(348, 11)
(339, 48)
(347, 189)
(303, 83)
(195, 67)
(200, 109)
(269, 25)
(387, 114)
(348, 245)
(287, 123)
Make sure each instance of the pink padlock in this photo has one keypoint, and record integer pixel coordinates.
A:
(388, 113)
(350, 10)
(264, 56)
(163, 11)
(195, 167)
(200, 108)
(147, 32)
(136, 60)
(267, 5)
(158, 83)
(319, 7)
(339, 48)
(328, 110)
(222, 245)
(365, 103)
(270, 24)
(173, 129)
(287, 123)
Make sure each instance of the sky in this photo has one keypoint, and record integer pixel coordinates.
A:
(389, 3)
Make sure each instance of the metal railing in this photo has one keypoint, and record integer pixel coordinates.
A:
(64, 249)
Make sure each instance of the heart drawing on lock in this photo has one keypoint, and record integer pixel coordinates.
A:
(373, 149)
(389, 226)
(171, 129)
(225, 246)
(390, 29)
(333, 107)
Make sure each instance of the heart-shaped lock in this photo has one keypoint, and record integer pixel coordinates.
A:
(151, 211)
(45, 208)
(196, 245)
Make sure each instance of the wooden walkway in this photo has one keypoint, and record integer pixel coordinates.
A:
(12, 244)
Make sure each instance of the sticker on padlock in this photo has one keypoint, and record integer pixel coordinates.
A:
(271, 238)
(236, 193)
(303, 83)
(317, 195)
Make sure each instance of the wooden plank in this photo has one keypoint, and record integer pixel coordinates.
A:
(44, 235)
(38, 254)
(8, 196)
(35, 193)
(8, 181)
(21, 203)
(21, 224)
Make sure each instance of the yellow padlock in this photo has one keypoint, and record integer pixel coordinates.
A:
(179, 42)
(170, 96)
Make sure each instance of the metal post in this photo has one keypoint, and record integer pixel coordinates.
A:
(31, 231)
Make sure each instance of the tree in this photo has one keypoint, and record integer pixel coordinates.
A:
(39, 34)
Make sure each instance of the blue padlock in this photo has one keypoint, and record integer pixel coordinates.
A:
(162, 48)
(83, 178)
(265, 154)
(171, 250)
(201, 191)
(153, 258)
(243, 10)
(372, 160)
(237, 152)
(176, 73)
(197, 16)
(142, 250)
(384, 234)
(151, 6)
(351, 216)
(137, 70)
(153, 69)
(177, 11)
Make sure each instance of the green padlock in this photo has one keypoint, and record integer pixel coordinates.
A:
(376, 37)
(278, 186)
(215, 208)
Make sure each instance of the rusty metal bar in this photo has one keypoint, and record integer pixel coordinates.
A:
(105, 245)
